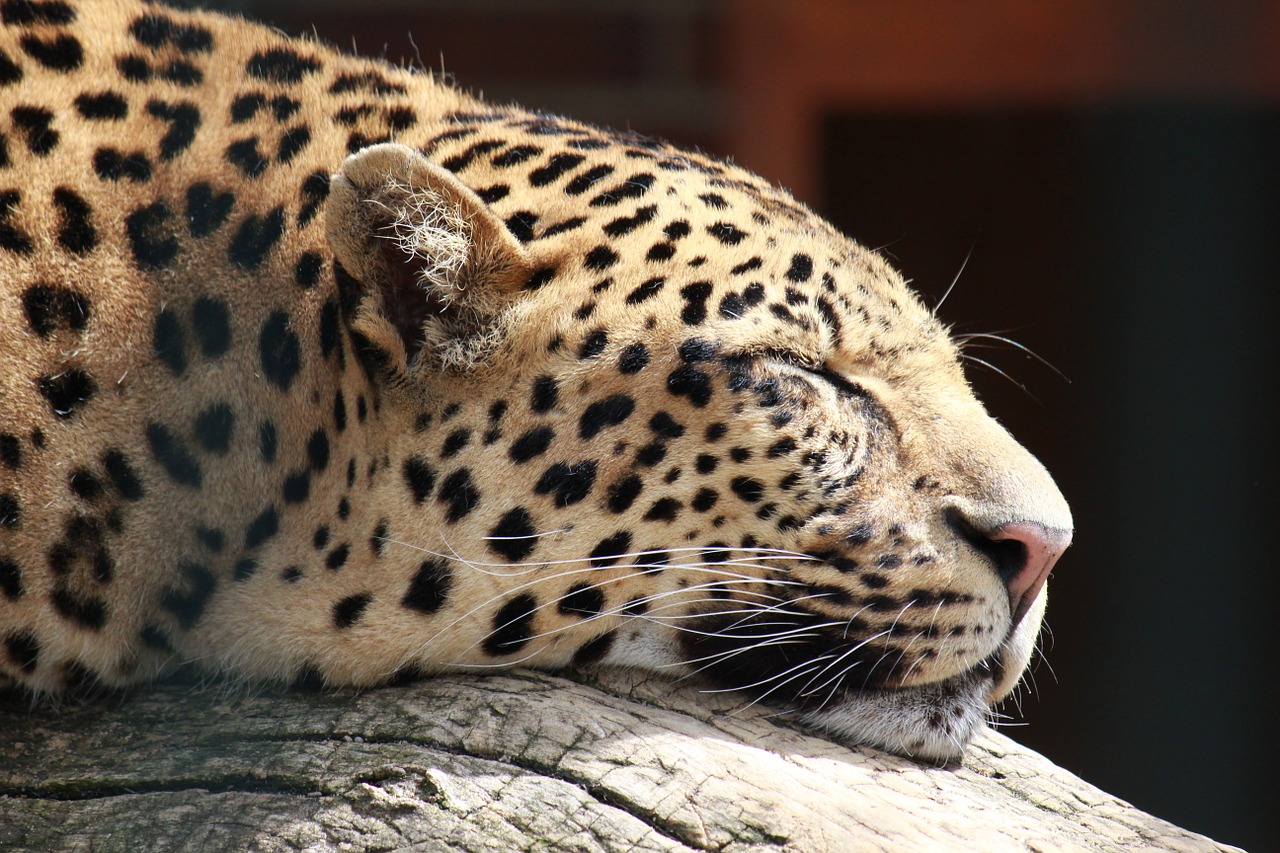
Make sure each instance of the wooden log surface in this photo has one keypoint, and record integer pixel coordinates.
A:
(515, 762)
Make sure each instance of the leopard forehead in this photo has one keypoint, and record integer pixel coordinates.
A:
(319, 369)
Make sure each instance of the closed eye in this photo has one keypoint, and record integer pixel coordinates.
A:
(844, 387)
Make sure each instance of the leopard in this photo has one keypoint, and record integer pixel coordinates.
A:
(319, 371)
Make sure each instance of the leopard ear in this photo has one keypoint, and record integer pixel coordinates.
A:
(432, 265)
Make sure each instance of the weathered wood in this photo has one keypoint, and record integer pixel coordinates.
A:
(522, 761)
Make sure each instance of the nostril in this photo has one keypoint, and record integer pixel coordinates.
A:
(1022, 552)
(1008, 555)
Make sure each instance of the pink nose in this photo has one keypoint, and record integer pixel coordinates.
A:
(1041, 548)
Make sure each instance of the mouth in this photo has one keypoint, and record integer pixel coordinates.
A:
(928, 722)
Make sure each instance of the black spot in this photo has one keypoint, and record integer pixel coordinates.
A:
(23, 651)
(611, 549)
(255, 238)
(624, 492)
(296, 487)
(600, 258)
(605, 413)
(695, 350)
(156, 31)
(554, 168)
(571, 482)
(11, 237)
(89, 612)
(633, 359)
(183, 119)
(676, 230)
(651, 454)
(705, 499)
(318, 450)
(211, 319)
(292, 142)
(459, 492)
(594, 344)
(134, 68)
(267, 441)
(122, 475)
(595, 649)
(582, 600)
(11, 579)
(49, 307)
(539, 278)
(515, 155)
(695, 296)
(665, 426)
(245, 107)
(626, 224)
(84, 485)
(280, 65)
(430, 586)
(207, 211)
(112, 165)
(339, 412)
(10, 510)
(633, 187)
(455, 442)
(664, 509)
(262, 528)
(545, 394)
(688, 381)
(660, 252)
(739, 454)
(173, 456)
(279, 350)
(727, 233)
(461, 161)
(214, 427)
(378, 540)
(497, 192)
(211, 538)
(513, 537)
(59, 53)
(747, 488)
(10, 451)
(347, 611)
(17, 13)
(10, 71)
(320, 539)
(150, 236)
(520, 224)
(419, 476)
(713, 200)
(645, 290)
(36, 126)
(168, 341)
(337, 558)
(781, 447)
(801, 268)
(315, 189)
(532, 443)
(183, 73)
(67, 391)
(76, 233)
(512, 626)
(584, 182)
(307, 272)
(155, 639)
(245, 156)
(187, 605)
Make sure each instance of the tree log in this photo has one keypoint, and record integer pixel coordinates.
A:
(519, 761)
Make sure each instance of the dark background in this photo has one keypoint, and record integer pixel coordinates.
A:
(1111, 173)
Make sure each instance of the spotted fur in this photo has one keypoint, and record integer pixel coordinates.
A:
(319, 370)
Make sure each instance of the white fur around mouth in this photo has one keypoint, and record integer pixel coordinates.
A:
(929, 722)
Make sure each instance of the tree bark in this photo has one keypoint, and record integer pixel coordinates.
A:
(519, 761)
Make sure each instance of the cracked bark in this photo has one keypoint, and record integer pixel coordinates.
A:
(523, 761)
